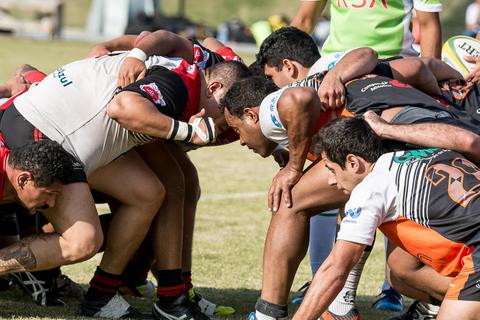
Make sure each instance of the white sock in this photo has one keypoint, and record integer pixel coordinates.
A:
(345, 300)
(261, 316)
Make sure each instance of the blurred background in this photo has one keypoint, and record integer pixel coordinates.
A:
(246, 21)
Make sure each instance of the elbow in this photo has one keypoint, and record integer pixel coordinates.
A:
(471, 147)
(119, 110)
(369, 55)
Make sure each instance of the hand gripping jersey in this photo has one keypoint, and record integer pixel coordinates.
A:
(426, 202)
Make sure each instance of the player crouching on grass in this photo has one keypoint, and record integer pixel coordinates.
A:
(424, 201)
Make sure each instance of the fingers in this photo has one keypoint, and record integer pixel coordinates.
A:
(471, 59)
(274, 196)
(287, 196)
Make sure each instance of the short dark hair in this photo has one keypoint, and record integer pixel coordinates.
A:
(345, 136)
(229, 72)
(247, 93)
(46, 160)
(288, 43)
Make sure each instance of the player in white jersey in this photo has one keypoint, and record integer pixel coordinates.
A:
(64, 81)
(294, 115)
(424, 201)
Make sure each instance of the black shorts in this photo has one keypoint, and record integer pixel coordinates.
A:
(17, 132)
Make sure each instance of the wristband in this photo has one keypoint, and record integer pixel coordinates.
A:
(180, 131)
(138, 54)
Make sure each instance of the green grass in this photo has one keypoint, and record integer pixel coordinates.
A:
(229, 233)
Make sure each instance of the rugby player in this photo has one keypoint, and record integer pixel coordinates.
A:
(49, 104)
(419, 220)
(291, 117)
(203, 55)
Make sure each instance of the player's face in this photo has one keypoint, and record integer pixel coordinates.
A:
(248, 128)
(280, 77)
(342, 178)
(36, 198)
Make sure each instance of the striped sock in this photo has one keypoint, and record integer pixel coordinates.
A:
(103, 285)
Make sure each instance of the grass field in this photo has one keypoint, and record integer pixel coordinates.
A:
(231, 221)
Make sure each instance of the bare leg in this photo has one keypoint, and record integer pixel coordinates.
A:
(166, 230)
(414, 279)
(459, 310)
(131, 182)
(287, 237)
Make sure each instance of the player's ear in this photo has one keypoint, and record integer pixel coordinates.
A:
(251, 114)
(23, 178)
(353, 163)
(289, 67)
(212, 87)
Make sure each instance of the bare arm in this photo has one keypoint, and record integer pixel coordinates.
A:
(298, 109)
(430, 34)
(415, 72)
(437, 135)
(329, 279)
(354, 64)
(162, 43)
(126, 42)
(441, 70)
(137, 114)
(307, 14)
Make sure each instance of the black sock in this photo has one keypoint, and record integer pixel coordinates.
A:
(103, 285)
(170, 285)
(271, 309)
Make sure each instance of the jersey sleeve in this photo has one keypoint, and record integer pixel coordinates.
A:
(428, 5)
(270, 123)
(371, 203)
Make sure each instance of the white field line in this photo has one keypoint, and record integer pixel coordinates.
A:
(103, 207)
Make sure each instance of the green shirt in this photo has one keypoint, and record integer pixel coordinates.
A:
(383, 25)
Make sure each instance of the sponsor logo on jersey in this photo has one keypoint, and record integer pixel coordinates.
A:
(60, 75)
(353, 213)
(362, 4)
(154, 92)
(413, 155)
(273, 105)
(376, 85)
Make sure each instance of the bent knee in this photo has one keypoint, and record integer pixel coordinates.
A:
(83, 246)
(150, 193)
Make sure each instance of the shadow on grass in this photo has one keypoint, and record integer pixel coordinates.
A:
(15, 304)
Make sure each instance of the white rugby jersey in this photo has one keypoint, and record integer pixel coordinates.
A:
(69, 106)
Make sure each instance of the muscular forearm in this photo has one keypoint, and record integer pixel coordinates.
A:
(126, 42)
(436, 135)
(441, 70)
(430, 34)
(165, 43)
(354, 64)
(307, 14)
(327, 283)
(300, 120)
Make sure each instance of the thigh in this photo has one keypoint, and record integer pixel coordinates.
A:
(459, 310)
(127, 179)
(161, 158)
